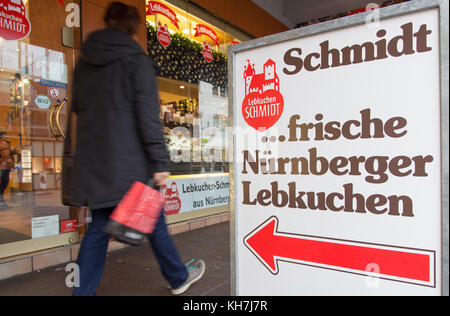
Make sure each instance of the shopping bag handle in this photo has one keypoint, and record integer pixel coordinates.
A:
(151, 184)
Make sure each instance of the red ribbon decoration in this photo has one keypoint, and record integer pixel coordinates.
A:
(155, 7)
(201, 29)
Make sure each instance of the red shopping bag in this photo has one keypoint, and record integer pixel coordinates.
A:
(136, 216)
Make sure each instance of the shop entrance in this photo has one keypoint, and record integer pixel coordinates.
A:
(36, 63)
(39, 46)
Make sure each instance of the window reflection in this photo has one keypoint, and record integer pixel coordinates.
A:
(34, 73)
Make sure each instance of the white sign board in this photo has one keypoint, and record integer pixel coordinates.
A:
(44, 226)
(338, 162)
(192, 193)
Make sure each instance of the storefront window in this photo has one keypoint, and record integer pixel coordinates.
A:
(191, 55)
(35, 68)
(36, 64)
(193, 84)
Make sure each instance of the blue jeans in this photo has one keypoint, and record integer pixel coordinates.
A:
(92, 255)
(4, 181)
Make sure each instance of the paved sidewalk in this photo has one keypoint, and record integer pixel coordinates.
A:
(135, 272)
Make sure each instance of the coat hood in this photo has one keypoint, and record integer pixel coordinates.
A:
(107, 46)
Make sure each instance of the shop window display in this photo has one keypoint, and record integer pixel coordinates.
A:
(183, 60)
(191, 59)
(190, 55)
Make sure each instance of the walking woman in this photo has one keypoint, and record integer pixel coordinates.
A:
(119, 140)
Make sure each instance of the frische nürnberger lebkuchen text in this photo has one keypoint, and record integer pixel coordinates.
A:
(374, 169)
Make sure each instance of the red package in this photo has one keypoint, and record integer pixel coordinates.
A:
(69, 226)
(136, 215)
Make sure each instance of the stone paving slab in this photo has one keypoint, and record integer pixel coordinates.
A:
(135, 272)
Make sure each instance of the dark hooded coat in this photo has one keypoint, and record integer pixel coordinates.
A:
(119, 137)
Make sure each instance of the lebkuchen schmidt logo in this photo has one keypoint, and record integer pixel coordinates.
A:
(172, 202)
(207, 52)
(263, 103)
(14, 24)
(163, 35)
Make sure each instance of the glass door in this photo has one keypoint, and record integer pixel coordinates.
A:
(38, 40)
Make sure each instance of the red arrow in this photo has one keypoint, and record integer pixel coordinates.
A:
(395, 263)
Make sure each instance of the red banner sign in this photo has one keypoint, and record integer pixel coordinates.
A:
(155, 7)
(163, 35)
(201, 29)
(14, 24)
(207, 52)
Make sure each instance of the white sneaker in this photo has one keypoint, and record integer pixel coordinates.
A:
(196, 272)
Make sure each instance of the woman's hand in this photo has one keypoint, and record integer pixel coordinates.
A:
(160, 178)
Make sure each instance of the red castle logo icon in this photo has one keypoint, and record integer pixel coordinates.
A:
(260, 83)
(263, 103)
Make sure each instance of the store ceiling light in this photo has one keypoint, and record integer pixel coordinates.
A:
(182, 87)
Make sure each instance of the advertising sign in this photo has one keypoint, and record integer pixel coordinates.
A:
(337, 167)
(54, 84)
(14, 23)
(155, 7)
(205, 30)
(207, 52)
(163, 35)
(196, 193)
